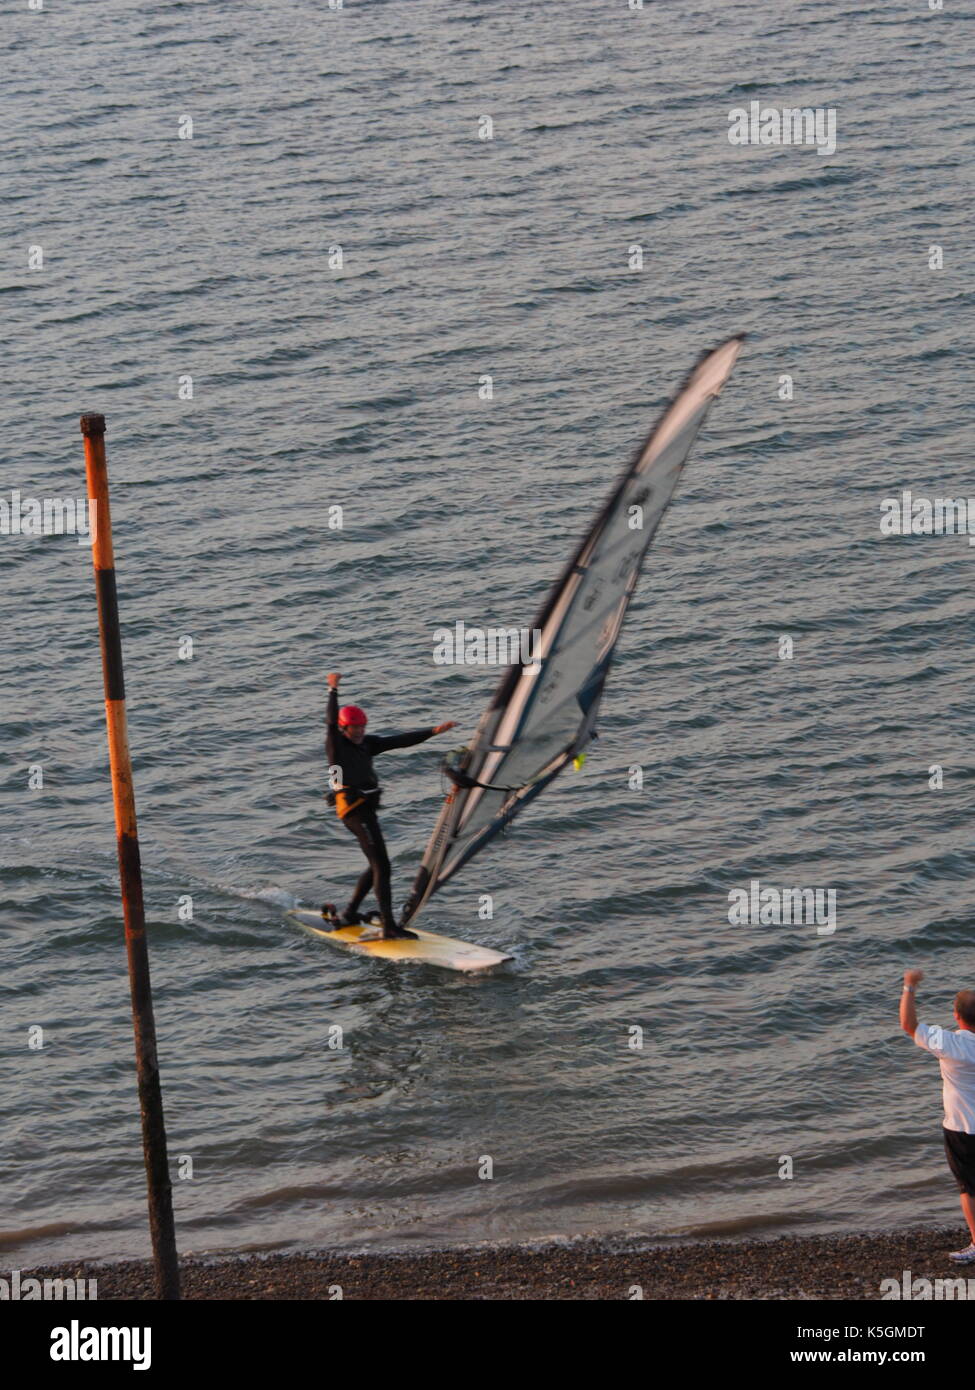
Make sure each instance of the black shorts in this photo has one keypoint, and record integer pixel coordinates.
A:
(960, 1149)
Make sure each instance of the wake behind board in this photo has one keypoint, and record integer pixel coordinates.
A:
(429, 948)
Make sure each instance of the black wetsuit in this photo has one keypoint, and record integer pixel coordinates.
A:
(360, 788)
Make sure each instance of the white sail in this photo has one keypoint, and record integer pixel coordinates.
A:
(543, 713)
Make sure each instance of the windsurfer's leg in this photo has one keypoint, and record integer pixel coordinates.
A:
(381, 870)
(361, 889)
(383, 878)
(365, 827)
(353, 822)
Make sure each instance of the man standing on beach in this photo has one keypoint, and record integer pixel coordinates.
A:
(957, 1055)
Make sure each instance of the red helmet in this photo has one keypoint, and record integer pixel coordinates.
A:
(352, 714)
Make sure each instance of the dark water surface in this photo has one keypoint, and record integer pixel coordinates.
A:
(315, 387)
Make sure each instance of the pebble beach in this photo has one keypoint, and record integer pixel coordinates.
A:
(790, 1268)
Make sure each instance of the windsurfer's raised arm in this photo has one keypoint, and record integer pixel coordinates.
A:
(332, 718)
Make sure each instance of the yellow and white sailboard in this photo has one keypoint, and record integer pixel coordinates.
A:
(429, 949)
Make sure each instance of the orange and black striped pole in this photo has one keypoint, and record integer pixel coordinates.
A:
(130, 867)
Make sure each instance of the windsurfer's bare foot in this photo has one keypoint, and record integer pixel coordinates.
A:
(399, 934)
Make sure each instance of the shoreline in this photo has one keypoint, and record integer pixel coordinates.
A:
(783, 1268)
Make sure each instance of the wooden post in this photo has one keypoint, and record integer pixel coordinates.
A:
(130, 868)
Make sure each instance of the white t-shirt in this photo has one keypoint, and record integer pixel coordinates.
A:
(957, 1053)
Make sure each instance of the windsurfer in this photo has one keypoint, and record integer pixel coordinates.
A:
(355, 794)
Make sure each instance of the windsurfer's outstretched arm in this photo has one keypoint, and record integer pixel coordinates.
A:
(383, 745)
